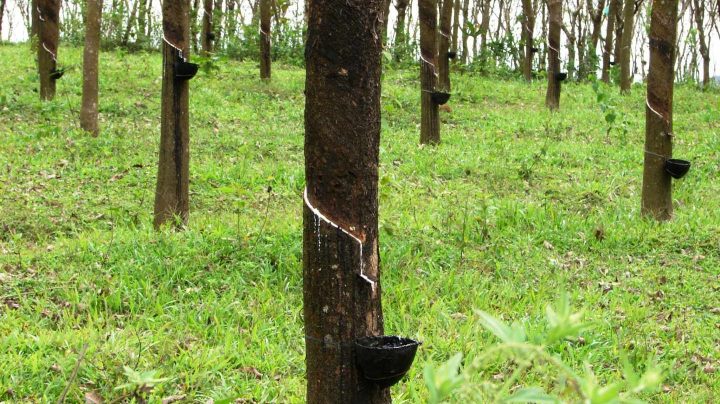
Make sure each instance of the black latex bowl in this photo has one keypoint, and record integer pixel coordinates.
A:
(185, 70)
(384, 360)
(677, 168)
(613, 63)
(211, 36)
(562, 76)
(440, 97)
(534, 50)
(452, 55)
(56, 74)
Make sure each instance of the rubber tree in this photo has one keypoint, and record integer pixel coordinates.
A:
(341, 274)
(529, 8)
(265, 14)
(91, 52)
(552, 98)
(171, 194)
(444, 42)
(430, 114)
(608, 46)
(657, 185)
(48, 31)
(699, 14)
(2, 12)
(626, 46)
(456, 27)
(400, 30)
(207, 37)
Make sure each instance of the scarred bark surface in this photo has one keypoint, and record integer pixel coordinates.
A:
(341, 273)
(48, 15)
(430, 115)
(171, 194)
(265, 39)
(89, 109)
(657, 186)
(552, 98)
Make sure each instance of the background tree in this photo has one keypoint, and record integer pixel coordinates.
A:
(430, 115)
(171, 194)
(608, 46)
(2, 13)
(265, 39)
(48, 15)
(626, 74)
(400, 29)
(444, 41)
(91, 52)
(529, 9)
(699, 14)
(341, 285)
(208, 33)
(552, 98)
(657, 186)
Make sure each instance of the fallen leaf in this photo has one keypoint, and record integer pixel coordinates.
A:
(172, 399)
(252, 371)
(92, 397)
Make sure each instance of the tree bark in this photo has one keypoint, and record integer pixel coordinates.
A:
(89, 109)
(386, 21)
(608, 46)
(48, 37)
(171, 195)
(430, 115)
(208, 34)
(526, 35)
(552, 98)
(465, 36)
(455, 27)
(657, 186)
(341, 274)
(130, 24)
(626, 78)
(444, 39)
(2, 12)
(265, 40)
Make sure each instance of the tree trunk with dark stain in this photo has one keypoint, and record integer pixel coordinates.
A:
(657, 184)
(91, 53)
(208, 34)
(48, 15)
(527, 27)
(617, 46)
(171, 195)
(626, 46)
(265, 40)
(552, 98)
(430, 115)
(608, 46)
(341, 274)
(444, 40)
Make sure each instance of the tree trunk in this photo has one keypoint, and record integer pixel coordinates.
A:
(341, 274)
(657, 186)
(208, 34)
(265, 39)
(608, 46)
(430, 115)
(217, 24)
(130, 24)
(552, 98)
(526, 35)
(444, 39)
(455, 27)
(48, 15)
(2, 12)
(400, 35)
(699, 11)
(626, 78)
(231, 20)
(589, 65)
(465, 36)
(386, 21)
(171, 195)
(89, 109)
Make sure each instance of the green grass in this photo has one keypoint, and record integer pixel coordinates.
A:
(499, 217)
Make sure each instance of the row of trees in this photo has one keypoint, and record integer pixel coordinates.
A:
(342, 292)
(495, 35)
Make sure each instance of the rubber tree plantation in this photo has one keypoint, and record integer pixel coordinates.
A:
(532, 254)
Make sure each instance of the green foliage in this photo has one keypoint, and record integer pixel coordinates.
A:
(536, 356)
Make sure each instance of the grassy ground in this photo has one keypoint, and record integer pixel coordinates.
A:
(515, 205)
